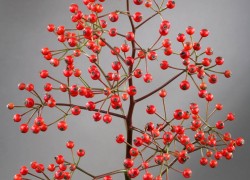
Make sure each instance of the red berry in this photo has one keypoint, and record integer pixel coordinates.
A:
(206, 62)
(54, 62)
(120, 138)
(218, 155)
(107, 118)
(90, 105)
(165, 25)
(187, 173)
(168, 51)
(138, 2)
(170, 4)
(51, 27)
(113, 17)
(130, 36)
(158, 178)
(92, 18)
(184, 54)
(51, 167)
(10, 106)
(51, 103)
(133, 172)
(124, 96)
(76, 110)
(192, 69)
(24, 170)
(80, 152)
(17, 118)
(44, 74)
(213, 163)
(17, 177)
(128, 163)
(137, 17)
(196, 46)
(45, 51)
(151, 109)
(138, 73)
(227, 73)
(141, 54)
(209, 51)
(181, 37)
(21, 86)
(29, 87)
(116, 76)
(167, 137)
(220, 125)
(97, 116)
(162, 93)
(59, 159)
(164, 65)
(39, 121)
(125, 47)
(147, 78)
(133, 152)
(159, 159)
(103, 23)
(73, 8)
(219, 60)
(240, 141)
(209, 97)
(178, 113)
(129, 61)
(148, 4)
(115, 51)
(70, 144)
(24, 128)
(163, 32)
(219, 107)
(213, 79)
(230, 116)
(67, 72)
(148, 176)
(131, 90)
(77, 73)
(87, 31)
(107, 178)
(138, 141)
(227, 136)
(62, 167)
(190, 30)
(204, 33)
(62, 125)
(184, 85)
(48, 87)
(188, 46)
(152, 55)
(145, 165)
(29, 102)
(166, 43)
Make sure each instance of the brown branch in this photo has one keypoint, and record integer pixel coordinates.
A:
(110, 173)
(129, 120)
(159, 88)
(80, 169)
(96, 110)
(146, 20)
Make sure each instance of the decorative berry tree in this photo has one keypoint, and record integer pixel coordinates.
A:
(114, 95)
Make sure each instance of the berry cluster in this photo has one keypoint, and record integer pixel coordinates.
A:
(61, 169)
(170, 141)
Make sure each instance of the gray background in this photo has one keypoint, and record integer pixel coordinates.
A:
(22, 35)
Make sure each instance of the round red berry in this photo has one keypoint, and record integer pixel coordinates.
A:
(80, 152)
(187, 173)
